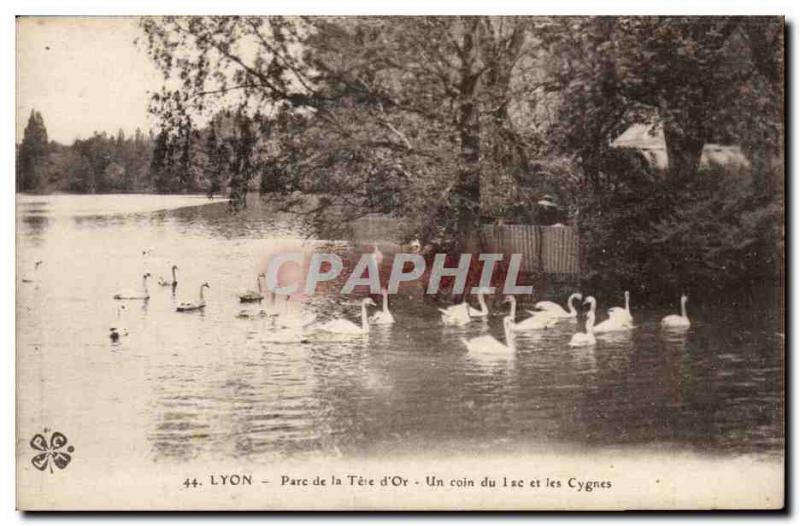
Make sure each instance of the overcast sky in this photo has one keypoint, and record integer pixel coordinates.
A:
(83, 74)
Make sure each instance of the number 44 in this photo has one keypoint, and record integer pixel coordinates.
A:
(191, 483)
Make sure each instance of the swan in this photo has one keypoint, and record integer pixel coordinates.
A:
(556, 310)
(483, 312)
(35, 268)
(586, 339)
(538, 320)
(456, 314)
(623, 313)
(201, 303)
(613, 324)
(342, 326)
(252, 296)
(488, 344)
(165, 283)
(675, 320)
(132, 294)
(383, 317)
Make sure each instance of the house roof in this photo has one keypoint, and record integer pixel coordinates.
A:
(649, 139)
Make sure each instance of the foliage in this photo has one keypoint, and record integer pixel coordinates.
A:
(714, 234)
(101, 163)
(407, 114)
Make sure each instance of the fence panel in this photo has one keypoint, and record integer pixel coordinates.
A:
(551, 249)
(554, 250)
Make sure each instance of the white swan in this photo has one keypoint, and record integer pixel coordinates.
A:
(383, 317)
(538, 320)
(488, 344)
(252, 296)
(586, 339)
(622, 313)
(483, 312)
(31, 279)
(556, 310)
(613, 324)
(132, 294)
(456, 314)
(675, 320)
(342, 326)
(165, 282)
(189, 306)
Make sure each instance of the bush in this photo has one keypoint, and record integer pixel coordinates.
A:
(713, 235)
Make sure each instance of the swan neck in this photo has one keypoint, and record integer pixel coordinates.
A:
(509, 336)
(385, 301)
(513, 313)
(627, 302)
(364, 320)
(683, 308)
(144, 286)
(482, 303)
(174, 279)
(571, 305)
(590, 322)
(202, 299)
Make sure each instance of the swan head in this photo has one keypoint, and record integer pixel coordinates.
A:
(174, 267)
(146, 275)
(590, 301)
(37, 263)
(509, 299)
(206, 285)
(684, 298)
(416, 246)
(368, 301)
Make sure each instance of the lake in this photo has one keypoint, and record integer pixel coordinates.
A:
(208, 385)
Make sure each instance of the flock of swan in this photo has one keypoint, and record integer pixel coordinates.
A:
(546, 314)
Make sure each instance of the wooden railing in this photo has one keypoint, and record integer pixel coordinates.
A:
(548, 249)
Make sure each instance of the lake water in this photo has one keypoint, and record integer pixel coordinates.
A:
(208, 385)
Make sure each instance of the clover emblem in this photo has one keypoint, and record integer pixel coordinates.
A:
(52, 452)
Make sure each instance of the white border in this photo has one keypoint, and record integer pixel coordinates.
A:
(405, 7)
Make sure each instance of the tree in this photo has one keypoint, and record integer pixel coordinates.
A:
(31, 153)
(699, 75)
(394, 109)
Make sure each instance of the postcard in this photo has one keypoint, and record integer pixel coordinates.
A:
(400, 263)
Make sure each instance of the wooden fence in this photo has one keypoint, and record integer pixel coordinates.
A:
(549, 249)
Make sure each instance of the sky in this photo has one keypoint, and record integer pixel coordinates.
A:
(83, 74)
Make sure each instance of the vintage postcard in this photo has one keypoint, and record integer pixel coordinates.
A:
(400, 263)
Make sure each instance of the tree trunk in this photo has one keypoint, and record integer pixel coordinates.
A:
(685, 138)
(466, 194)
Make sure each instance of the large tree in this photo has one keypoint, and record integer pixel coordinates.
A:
(31, 155)
(387, 113)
